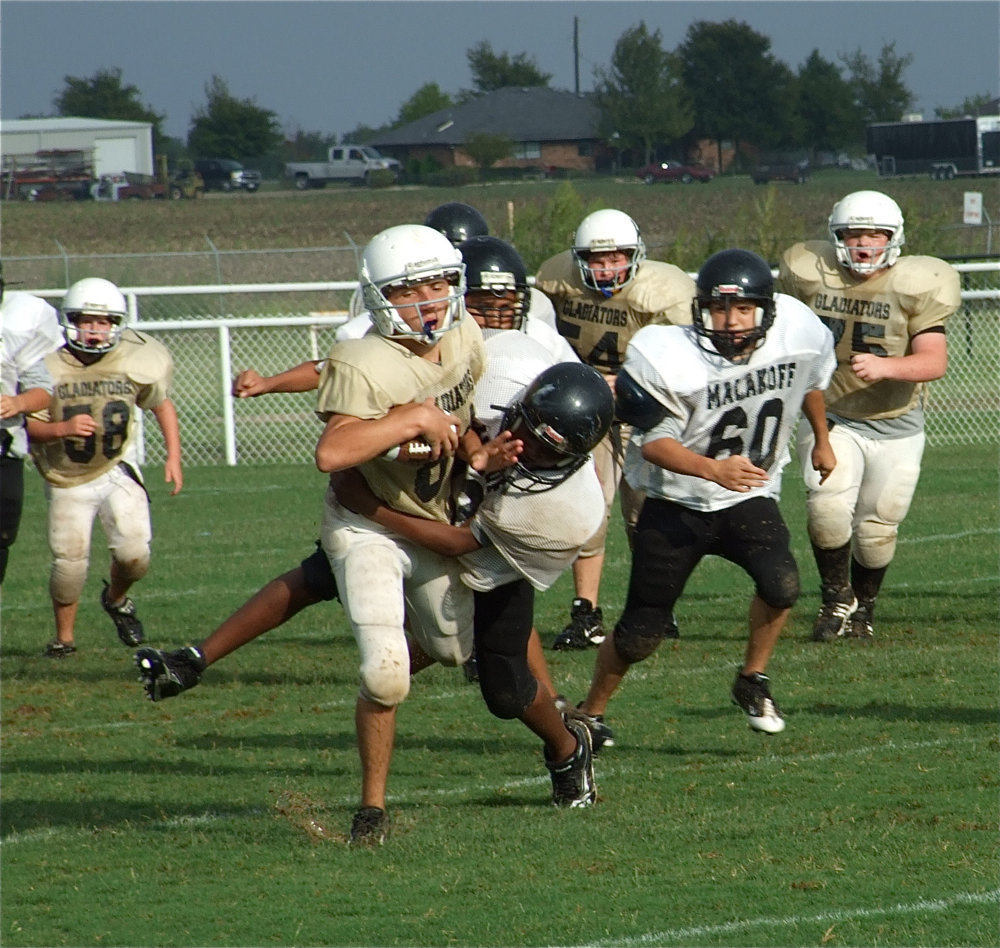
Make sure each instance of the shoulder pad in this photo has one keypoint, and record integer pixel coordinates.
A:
(149, 361)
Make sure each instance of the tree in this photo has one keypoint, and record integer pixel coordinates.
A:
(361, 134)
(427, 100)
(227, 127)
(878, 89)
(492, 71)
(738, 89)
(486, 149)
(980, 104)
(103, 96)
(641, 96)
(307, 146)
(829, 118)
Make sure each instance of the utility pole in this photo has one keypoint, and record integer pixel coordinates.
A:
(576, 55)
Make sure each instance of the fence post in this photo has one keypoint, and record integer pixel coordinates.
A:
(226, 372)
(65, 256)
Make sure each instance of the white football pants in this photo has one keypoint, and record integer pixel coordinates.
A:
(384, 581)
(866, 497)
(123, 508)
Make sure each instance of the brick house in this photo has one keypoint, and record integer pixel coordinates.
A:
(550, 129)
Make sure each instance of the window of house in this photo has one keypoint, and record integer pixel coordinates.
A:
(585, 149)
(528, 150)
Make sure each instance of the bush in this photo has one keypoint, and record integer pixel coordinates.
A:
(381, 178)
(452, 177)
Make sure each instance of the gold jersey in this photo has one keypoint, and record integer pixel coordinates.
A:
(599, 328)
(368, 376)
(135, 374)
(880, 314)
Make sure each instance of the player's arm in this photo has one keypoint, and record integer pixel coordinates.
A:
(77, 426)
(823, 458)
(443, 538)
(300, 378)
(347, 441)
(166, 417)
(926, 361)
(734, 472)
(32, 399)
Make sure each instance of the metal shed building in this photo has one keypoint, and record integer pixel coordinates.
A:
(116, 146)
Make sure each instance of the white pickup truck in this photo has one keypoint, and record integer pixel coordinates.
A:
(344, 163)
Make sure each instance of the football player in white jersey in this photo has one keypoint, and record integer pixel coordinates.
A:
(499, 297)
(887, 314)
(714, 405)
(84, 445)
(29, 331)
(604, 290)
(529, 524)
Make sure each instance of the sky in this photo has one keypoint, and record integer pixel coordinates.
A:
(329, 66)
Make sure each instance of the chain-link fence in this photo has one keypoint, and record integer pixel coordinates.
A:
(215, 331)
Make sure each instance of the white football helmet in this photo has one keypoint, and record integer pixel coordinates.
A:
(608, 230)
(93, 296)
(867, 210)
(404, 256)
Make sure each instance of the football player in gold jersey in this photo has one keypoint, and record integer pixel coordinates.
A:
(887, 314)
(604, 290)
(426, 355)
(84, 445)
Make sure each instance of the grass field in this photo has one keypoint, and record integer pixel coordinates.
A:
(218, 818)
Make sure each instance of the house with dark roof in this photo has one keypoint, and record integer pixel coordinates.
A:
(550, 128)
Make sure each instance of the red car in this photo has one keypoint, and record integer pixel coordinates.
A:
(674, 171)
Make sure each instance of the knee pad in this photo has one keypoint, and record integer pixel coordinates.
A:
(782, 591)
(385, 686)
(508, 688)
(875, 543)
(132, 559)
(830, 520)
(66, 580)
(639, 633)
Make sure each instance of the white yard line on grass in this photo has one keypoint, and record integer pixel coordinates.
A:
(924, 906)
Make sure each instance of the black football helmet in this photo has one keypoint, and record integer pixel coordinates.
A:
(568, 408)
(457, 221)
(493, 265)
(733, 275)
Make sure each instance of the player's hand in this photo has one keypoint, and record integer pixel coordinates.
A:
(172, 474)
(823, 461)
(354, 493)
(739, 473)
(9, 406)
(497, 455)
(869, 368)
(437, 427)
(249, 384)
(80, 426)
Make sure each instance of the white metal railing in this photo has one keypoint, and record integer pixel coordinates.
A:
(209, 350)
